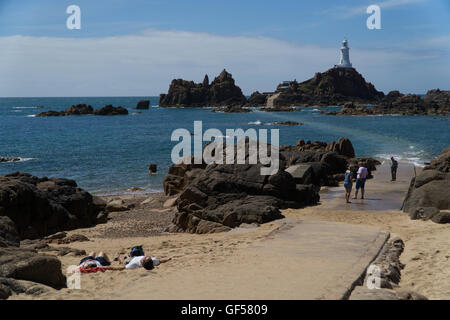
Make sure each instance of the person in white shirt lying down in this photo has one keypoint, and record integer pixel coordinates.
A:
(146, 262)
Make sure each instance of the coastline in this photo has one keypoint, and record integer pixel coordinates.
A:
(202, 266)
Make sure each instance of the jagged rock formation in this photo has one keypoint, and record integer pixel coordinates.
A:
(221, 92)
(333, 87)
(43, 206)
(429, 192)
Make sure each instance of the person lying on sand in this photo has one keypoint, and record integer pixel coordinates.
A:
(101, 261)
(137, 259)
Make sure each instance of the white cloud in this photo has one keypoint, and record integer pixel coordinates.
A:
(144, 64)
(343, 12)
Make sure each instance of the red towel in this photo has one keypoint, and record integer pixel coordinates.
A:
(92, 270)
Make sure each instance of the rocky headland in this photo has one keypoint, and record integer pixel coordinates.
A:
(333, 87)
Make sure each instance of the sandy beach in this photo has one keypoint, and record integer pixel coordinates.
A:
(265, 262)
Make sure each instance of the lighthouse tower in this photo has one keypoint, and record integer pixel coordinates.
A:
(345, 56)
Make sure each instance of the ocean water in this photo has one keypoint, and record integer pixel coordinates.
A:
(108, 155)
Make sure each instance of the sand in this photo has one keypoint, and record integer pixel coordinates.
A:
(203, 264)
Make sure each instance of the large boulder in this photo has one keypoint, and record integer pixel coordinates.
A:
(43, 206)
(18, 264)
(429, 192)
(22, 264)
(230, 195)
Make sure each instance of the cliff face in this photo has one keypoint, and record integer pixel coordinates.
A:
(221, 92)
(335, 86)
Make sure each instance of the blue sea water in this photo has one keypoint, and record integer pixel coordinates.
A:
(111, 154)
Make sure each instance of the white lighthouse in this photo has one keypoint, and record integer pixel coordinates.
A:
(345, 56)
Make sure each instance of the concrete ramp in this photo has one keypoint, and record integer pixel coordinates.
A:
(300, 260)
(271, 99)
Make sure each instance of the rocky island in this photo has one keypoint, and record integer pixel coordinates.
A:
(82, 109)
(222, 92)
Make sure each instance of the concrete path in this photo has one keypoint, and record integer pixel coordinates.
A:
(300, 260)
(381, 193)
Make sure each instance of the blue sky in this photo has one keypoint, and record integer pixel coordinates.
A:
(136, 47)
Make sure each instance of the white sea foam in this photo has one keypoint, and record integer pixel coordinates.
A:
(406, 157)
(31, 115)
(257, 122)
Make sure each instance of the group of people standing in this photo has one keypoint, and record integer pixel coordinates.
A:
(361, 177)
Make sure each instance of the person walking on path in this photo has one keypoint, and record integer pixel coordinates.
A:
(348, 185)
(361, 180)
(394, 166)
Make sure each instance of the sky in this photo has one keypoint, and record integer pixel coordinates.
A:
(135, 48)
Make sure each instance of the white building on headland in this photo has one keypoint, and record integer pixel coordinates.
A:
(345, 56)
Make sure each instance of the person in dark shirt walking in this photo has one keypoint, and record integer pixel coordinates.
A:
(394, 166)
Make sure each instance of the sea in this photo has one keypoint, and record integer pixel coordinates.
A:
(109, 155)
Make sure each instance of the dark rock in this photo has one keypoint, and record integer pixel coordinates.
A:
(9, 159)
(109, 110)
(74, 110)
(435, 102)
(426, 213)
(42, 206)
(429, 192)
(23, 264)
(442, 162)
(152, 168)
(288, 123)
(232, 109)
(221, 92)
(434, 193)
(143, 105)
(79, 109)
(441, 217)
(257, 99)
(8, 233)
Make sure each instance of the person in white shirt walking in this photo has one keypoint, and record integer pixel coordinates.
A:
(361, 180)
